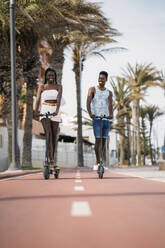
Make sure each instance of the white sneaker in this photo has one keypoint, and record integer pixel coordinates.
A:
(95, 167)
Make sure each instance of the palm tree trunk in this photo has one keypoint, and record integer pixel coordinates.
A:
(144, 157)
(134, 134)
(7, 117)
(57, 60)
(9, 129)
(121, 142)
(129, 141)
(27, 139)
(57, 63)
(144, 141)
(138, 135)
(79, 119)
(151, 156)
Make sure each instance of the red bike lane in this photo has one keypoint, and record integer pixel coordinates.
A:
(78, 210)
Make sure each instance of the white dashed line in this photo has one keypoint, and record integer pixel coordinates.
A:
(78, 178)
(78, 181)
(80, 208)
(79, 188)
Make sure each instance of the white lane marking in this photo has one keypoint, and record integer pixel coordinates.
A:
(79, 188)
(15, 177)
(78, 181)
(80, 208)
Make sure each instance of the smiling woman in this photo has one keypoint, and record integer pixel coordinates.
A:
(49, 96)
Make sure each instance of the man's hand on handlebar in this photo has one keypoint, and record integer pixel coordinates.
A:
(55, 113)
(110, 117)
(93, 116)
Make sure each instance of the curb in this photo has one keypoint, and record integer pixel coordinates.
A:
(7, 174)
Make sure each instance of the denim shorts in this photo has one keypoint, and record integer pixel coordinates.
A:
(105, 128)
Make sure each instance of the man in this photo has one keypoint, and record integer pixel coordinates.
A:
(99, 103)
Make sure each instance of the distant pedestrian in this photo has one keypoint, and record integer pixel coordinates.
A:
(99, 103)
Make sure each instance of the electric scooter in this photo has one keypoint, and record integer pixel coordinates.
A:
(100, 170)
(47, 170)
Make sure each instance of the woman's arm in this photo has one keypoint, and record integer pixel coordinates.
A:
(39, 91)
(58, 99)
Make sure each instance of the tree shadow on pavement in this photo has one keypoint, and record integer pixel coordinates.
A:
(73, 196)
(73, 178)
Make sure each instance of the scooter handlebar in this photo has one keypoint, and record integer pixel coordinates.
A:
(46, 114)
(102, 117)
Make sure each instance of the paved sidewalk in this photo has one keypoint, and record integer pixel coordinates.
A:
(14, 173)
(151, 173)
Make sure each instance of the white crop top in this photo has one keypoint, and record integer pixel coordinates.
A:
(49, 95)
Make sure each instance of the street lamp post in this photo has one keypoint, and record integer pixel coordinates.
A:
(79, 118)
(14, 164)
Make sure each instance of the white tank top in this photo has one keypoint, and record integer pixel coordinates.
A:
(99, 104)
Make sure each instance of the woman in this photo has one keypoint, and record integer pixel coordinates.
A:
(49, 95)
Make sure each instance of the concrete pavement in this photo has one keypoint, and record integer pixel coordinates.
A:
(15, 173)
(150, 173)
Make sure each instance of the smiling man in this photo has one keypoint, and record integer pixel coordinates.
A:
(99, 103)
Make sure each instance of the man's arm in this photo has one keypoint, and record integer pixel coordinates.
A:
(90, 96)
(110, 105)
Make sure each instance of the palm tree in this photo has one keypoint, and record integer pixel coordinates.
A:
(162, 82)
(140, 78)
(122, 99)
(143, 115)
(152, 113)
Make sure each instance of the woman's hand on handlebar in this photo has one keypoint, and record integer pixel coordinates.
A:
(55, 113)
(36, 115)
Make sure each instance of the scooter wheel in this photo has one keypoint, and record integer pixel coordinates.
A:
(100, 175)
(56, 174)
(46, 172)
(100, 172)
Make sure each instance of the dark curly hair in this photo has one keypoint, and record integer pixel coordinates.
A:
(55, 75)
(104, 73)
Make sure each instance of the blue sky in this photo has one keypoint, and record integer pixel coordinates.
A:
(142, 24)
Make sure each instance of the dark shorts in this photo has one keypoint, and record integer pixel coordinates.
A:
(105, 128)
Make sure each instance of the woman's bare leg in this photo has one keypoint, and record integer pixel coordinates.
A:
(43, 121)
(54, 128)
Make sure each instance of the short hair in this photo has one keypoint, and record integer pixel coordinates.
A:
(55, 75)
(104, 73)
